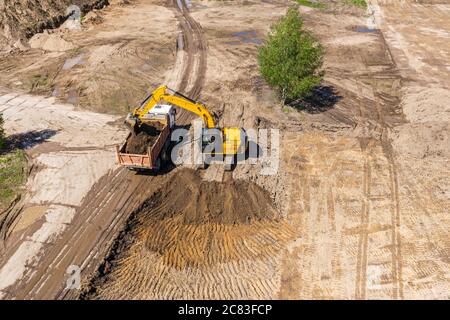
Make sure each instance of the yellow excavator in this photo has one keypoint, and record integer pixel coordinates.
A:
(234, 140)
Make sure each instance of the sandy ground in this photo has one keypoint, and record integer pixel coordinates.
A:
(68, 157)
(370, 205)
(101, 199)
(362, 189)
(364, 180)
(108, 65)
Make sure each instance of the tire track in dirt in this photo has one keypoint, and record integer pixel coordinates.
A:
(370, 148)
(393, 177)
(195, 45)
(361, 261)
(95, 225)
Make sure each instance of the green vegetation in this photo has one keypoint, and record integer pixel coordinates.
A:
(2, 133)
(13, 171)
(311, 4)
(358, 3)
(37, 82)
(291, 59)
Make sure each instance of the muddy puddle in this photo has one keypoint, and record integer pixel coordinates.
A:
(72, 62)
(189, 225)
(244, 37)
(362, 29)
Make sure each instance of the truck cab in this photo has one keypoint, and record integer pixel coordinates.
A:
(161, 111)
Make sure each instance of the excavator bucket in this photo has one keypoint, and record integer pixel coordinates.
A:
(132, 123)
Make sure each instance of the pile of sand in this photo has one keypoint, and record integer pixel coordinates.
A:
(426, 104)
(422, 140)
(50, 42)
(196, 239)
(192, 226)
(21, 19)
(197, 201)
(428, 133)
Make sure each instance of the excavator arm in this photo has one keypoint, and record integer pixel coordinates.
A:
(177, 99)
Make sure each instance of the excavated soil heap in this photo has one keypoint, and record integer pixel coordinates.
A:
(196, 239)
(198, 201)
(139, 143)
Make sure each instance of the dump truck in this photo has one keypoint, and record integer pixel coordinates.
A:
(147, 148)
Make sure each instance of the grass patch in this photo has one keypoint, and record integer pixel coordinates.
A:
(358, 3)
(38, 82)
(311, 4)
(13, 174)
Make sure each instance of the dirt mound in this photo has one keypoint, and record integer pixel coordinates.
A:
(50, 42)
(139, 143)
(198, 201)
(426, 104)
(190, 238)
(428, 133)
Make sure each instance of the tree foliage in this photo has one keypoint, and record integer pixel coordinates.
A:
(291, 59)
(2, 133)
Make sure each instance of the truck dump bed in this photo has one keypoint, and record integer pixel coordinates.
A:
(153, 137)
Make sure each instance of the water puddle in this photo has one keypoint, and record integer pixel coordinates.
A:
(233, 43)
(70, 63)
(365, 29)
(244, 34)
(254, 40)
(244, 37)
(72, 96)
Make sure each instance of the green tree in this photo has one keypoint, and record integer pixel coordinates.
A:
(2, 133)
(291, 59)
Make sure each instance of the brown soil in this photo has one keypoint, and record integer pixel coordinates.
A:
(22, 19)
(112, 65)
(197, 201)
(139, 143)
(191, 225)
(365, 217)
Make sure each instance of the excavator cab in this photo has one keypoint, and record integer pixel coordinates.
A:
(232, 140)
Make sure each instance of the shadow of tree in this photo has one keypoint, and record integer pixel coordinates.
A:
(27, 140)
(322, 99)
